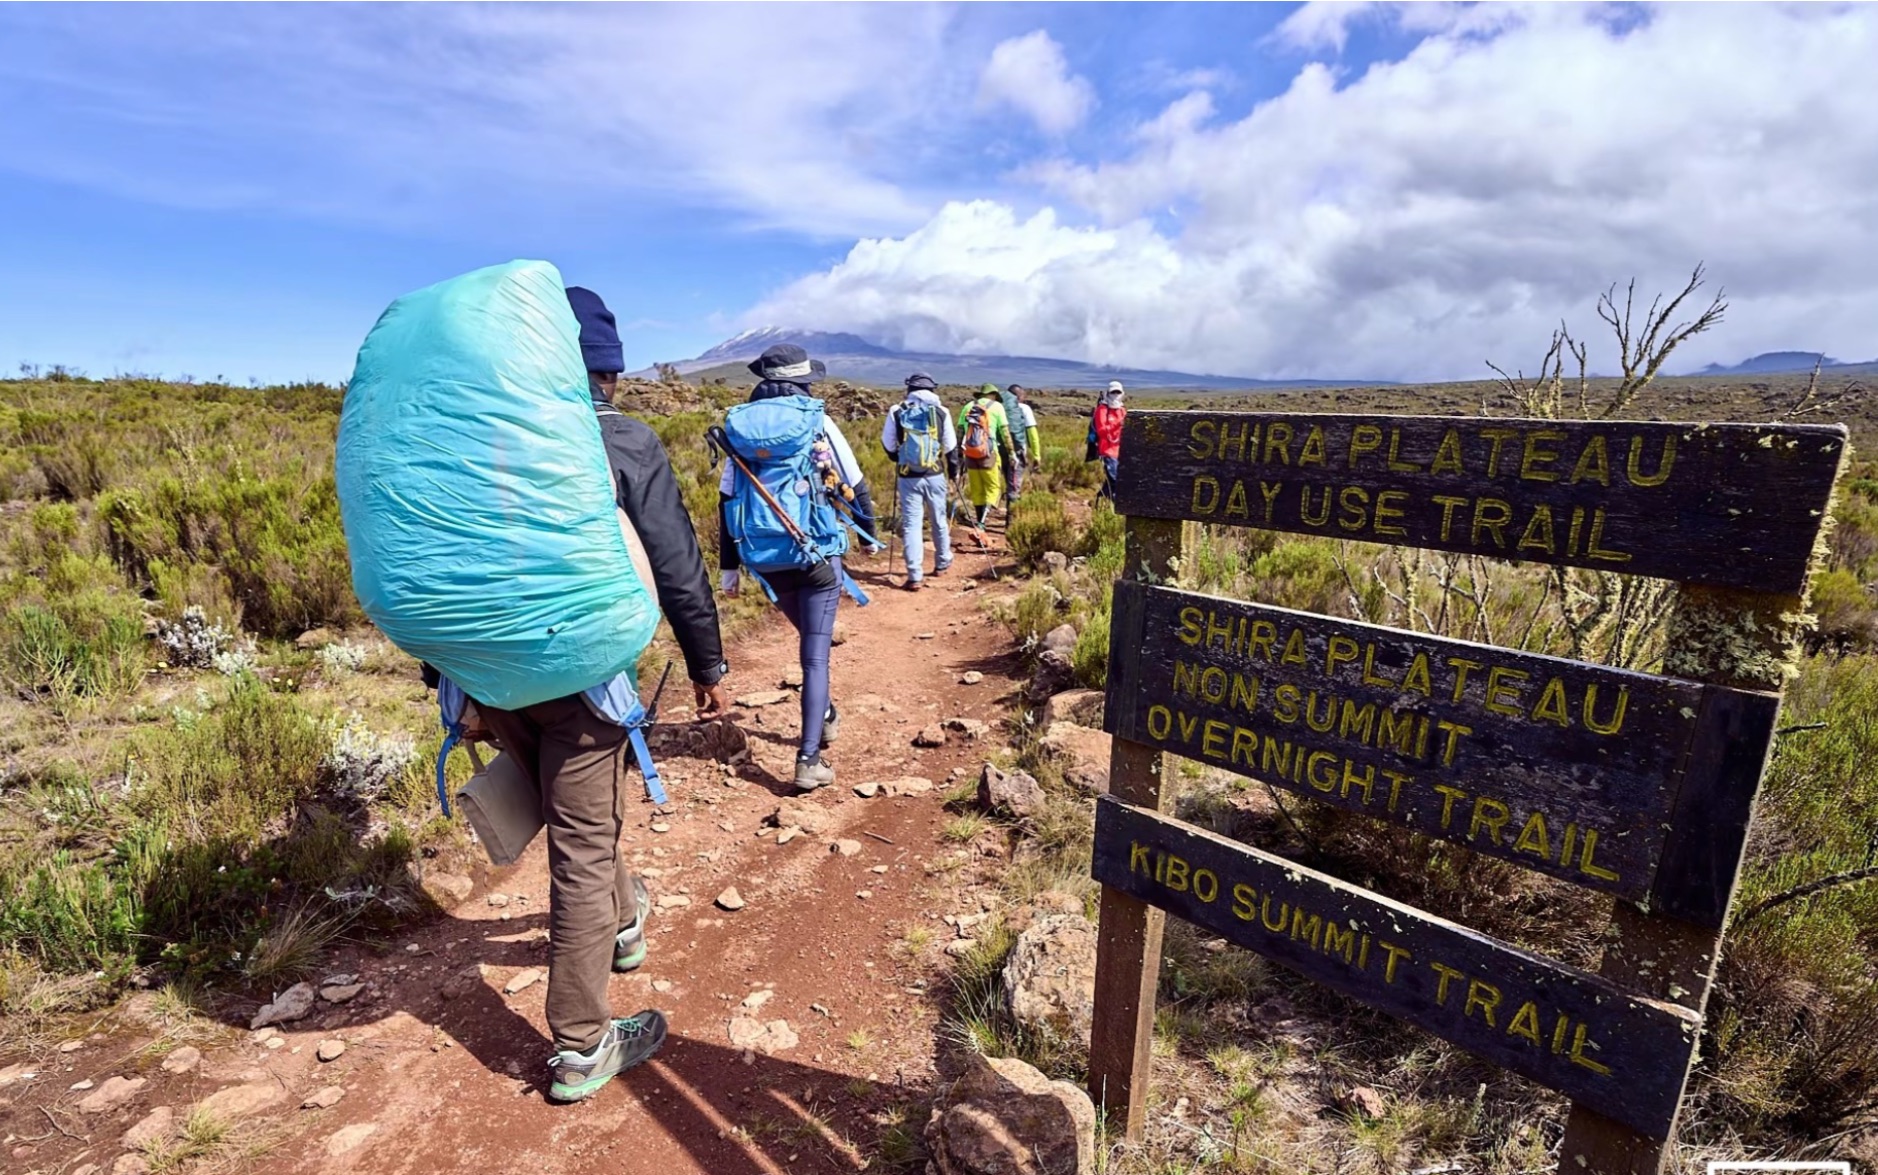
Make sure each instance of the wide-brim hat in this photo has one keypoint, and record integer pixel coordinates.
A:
(919, 381)
(788, 363)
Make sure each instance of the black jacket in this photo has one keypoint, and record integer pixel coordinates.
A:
(647, 489)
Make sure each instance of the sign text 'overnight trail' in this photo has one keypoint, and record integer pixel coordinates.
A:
(1565, 768)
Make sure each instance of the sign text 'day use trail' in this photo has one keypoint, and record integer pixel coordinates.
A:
(1562, 767)
(1623, 1056)
(1732, 505)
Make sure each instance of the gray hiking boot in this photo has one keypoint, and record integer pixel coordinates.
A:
(813, 773)
(578, 1076)
(629, 946)
(831, 725)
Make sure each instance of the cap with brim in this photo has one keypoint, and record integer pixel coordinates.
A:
(788, 363)
(919, 381)
(1115, 385)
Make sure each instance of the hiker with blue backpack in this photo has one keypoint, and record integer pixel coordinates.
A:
(919, 438)
(790, 492)
(487, 486)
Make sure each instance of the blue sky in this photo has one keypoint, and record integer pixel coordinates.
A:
(236, 191)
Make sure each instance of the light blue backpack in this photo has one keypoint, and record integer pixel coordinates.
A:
(921, 426)
(477, 500)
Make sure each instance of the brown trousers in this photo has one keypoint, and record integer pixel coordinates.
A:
(577, 760)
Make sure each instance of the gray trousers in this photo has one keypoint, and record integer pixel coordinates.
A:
(577, 759)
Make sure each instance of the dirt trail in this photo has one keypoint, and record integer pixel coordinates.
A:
(444, 1071)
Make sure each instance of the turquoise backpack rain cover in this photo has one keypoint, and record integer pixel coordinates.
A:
(476, 496)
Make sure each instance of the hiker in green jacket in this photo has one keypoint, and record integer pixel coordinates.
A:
(987, 449)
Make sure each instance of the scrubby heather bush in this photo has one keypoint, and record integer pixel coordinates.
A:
(362, 764)
(343, 657)
(192, 641)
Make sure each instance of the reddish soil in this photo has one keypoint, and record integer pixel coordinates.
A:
(444, 1072)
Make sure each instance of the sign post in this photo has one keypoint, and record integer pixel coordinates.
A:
(1637, 785)
(1128, 941)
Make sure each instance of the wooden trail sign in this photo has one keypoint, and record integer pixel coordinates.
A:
(1475, 744)
(1734, 505)
(1624, 1056)
(1565, 768)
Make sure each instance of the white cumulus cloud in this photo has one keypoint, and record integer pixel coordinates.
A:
(1430, 213)
(1031, 74)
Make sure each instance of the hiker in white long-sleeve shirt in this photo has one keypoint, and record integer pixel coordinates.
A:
(920, 439)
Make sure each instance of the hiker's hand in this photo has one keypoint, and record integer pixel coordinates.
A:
(729, 581)
(711, 701)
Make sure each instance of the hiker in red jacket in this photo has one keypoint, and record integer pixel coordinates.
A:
(1105, 437)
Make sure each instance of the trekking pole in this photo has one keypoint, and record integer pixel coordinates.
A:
(795, 532)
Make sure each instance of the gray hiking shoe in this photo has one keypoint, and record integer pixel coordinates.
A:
(831, 725)
(629, 946)
(578, 1076)
(813, 773)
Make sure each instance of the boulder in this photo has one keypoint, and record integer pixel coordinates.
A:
(907, 785)
(730, 899)
(1055, 672)
(238, 1101)
(1050, 901)
(1049, 979)
(1055, 561)
(131, 1164)
(182, 1060)
(324, 1099)
(289, 1005)
(1014, 792)
(113, 1093)
(1076, 707)
(971, 728)
(315, 638)
(724, 741)
(350, 1138)
(800, 813)
(752, 1035)
(1083, 755)
(1003, 1117)
(447, 888)
(1061, 639)
(153, 1128)
(930, 736)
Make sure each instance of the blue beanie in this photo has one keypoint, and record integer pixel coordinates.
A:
(599, 336)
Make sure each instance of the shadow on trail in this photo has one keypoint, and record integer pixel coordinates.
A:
(770, 1115)
(729, 1112)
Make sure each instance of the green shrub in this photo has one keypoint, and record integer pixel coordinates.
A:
(1039, 526)
(1793, 1043)
(277, 542)
(82, 642)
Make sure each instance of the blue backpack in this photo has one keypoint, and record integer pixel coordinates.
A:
(782, 512)
(921, 426)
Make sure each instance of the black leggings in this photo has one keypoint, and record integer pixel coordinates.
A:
(811, 608)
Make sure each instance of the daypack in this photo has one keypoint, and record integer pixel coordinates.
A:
(921, 425)
(1014, 415)
(979, 450)
(781, 512)
(478, 503)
